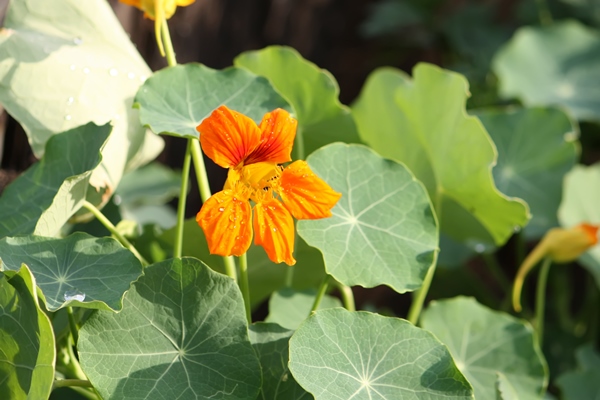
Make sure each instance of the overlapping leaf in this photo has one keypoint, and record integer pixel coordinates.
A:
(289, 307)
(337, 354)
(583, 383)
(423, 123)
(557, 64)
(64, 63)
(175, 100)
(382, 231)
(78, 270)
(27, 349)
(536, 148)
(42, 199)
(492, 349)
(182, 334)
(311, 91)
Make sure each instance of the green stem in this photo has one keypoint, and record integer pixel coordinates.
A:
(166, 39)
(497, 272)
(540, 299)
(200, 169)
(544, 12)
(230, 268)
(320, 293)
(73, 325)
(113, 230)
(244, 286)
(70, 382)
(347, 296)
(289, 276)
(419, 297)
(185, 173)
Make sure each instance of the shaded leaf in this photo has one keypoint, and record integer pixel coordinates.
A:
(383, 231)
(79, 270)
(583, 383)
(422, 123)
(42, 199)
(337, 354)
(486, 345)
(27, 349)
(175, 100)
(289, 307)
(183, 329)
(152, 184)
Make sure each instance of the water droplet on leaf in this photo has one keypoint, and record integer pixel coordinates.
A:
(86, 70)
(67, 117)
(113, 72)
(131, 75)
(78, 41)
(70, 100)
(74, 294)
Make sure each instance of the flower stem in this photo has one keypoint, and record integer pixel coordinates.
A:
(166, 40)
(185, 173)
(200, 169)
(540, 299)
(244, 286)
(347, 296)
(320, 293)
(419, 297)
(70, 382)
(73, 325)
(113, 230)
(544, 12)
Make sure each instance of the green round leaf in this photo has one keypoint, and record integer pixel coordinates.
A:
(536, 148)
(289, 307)
(311, 91)
(487, 346)
(423, 123)
(581, 197)
(383, 231)
(583, 383)
(27, 348)
(153, 184)
(43, 198)
(79, 270)
(64, 63)
(182, 334)
(270, 341)
(553, 65)
(337, 354)
(175, 100)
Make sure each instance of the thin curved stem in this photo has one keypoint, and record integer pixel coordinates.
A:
(540, 299)
(419, 297)
(245, 286)
(347, 296)
(70, 382)
(200, 169)
(73, 325)
(113, 230)
(320, 294)
(166, 40)
(185, 173)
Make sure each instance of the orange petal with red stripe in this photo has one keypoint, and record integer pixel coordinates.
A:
(227, 223)
(304, 194)
(278, 130)
(228, 137)
(274, 230)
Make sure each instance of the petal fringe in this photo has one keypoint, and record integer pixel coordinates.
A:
(304, 194)
(274, 230)
(226, 219)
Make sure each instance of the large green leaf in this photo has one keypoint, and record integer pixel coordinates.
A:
(337, 354)
(536, 148)
(264, 275)
(175, 100)
(270, 341)
(153, 184)
(64, 63)
(422, 122)
(557, 64)
(27, 349)
(489, 347)
(311, 91)
(42, 199)
(583, 383)
(182, 334)
(79, 270)
(581, 204)
(289, 307)
(383, 231)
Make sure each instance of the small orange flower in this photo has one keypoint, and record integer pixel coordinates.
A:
(253, 155)
(152, 7)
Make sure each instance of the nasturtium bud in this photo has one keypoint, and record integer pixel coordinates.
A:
(151, 7)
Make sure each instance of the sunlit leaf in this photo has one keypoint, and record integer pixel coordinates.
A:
(536, 148)
(311, 91)
(270, 341)
(42, 199)
(486, 345)
(422, 123)
(175, 100)
(182, 334)
(289, 307)
(27, 349)
(337, 354)
(382, 231)
(64, 63)
(79, 270)
(557, 64)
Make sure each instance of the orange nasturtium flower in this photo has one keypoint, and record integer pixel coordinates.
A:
(253, 155)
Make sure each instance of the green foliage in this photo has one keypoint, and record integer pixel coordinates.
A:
(289, 307)
(583, 383)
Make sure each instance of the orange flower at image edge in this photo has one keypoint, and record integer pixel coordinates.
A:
(253, 155)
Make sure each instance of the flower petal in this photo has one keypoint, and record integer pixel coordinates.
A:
(278, 130)
(304, 194)
(226, 221)
(227, 137)
(274, 229)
